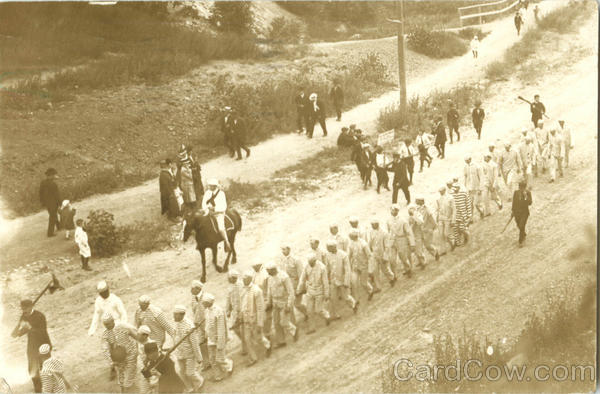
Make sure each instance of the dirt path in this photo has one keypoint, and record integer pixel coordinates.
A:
(142, 202)
(475, 285)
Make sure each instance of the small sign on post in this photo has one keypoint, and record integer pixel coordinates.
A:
(385, 138)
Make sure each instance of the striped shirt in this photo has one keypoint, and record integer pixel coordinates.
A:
(252, 305)
(232, 305)
(464, 212)
(216, 327)
(198, 311)
(293, 267)
(280, 291)
(190, 348)
(338, 268)
(51, 376)
(376, 241)
(315, 280)
(156, 320)
(122, 335)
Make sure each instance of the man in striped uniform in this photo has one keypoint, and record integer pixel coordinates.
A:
(253, 317)
(119, 344)
(260, 279)
(339, 274)
(198, 315)
(232, 305)
(446, 218)
(143, 337)
(188, 353)
(154, 318)
(52, 372)
(216, 335)
(378, 264)
(280, 299)
(342, 242)
(462, 216)
(315, 283)
(359, 256)
(293, 267)
(401, 242)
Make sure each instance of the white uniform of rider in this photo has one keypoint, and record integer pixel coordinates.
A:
(215, 201)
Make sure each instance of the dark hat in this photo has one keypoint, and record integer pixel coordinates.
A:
(478, 102)
(150, 347)
(26, 303)
(51, 171)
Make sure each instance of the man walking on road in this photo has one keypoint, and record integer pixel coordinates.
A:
(510, 167)
(380, 171)
(253, 317)
(401, 242)
(566, 136)
(199, 318)
(538, 110)
(400, 180)
(337, 95)
(293, 267)
(154, 318)
(217, 338)
(50, 199)
(446, 217)
(556, 150)
(315, 284)
(428, 227)
(423, 142)
(119, 344)
(238, 131)
(473, 180)
(452, 120)
(440, 138)
(489, 170)
(316, 109)
(378, 263)
(280, 299)
(188, 353)
(477, 116)
(359, 256)
(339, 274)
(520, 209)
(542, 150)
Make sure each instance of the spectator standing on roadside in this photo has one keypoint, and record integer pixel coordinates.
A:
(423, 141)
(302, 104)
(81, 239)
(440, 137)
(475, 47)
(185, 179)
(50, 199)
(67, 214)
(478, 115)
(238, 129)
(226, 130)
(337, 95)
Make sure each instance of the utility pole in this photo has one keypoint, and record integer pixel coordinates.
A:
(401, 61)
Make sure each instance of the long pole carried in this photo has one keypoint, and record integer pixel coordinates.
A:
(401, 60)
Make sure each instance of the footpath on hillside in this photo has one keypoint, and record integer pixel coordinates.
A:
(141, 203)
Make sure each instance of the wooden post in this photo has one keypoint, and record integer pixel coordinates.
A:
(401, 60)
(480, 20)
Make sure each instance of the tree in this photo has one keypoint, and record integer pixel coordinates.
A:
(233, 16)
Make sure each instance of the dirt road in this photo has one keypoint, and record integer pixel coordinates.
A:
(489, 285)
(142, 202)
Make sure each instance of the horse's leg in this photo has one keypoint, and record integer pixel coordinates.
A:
(232, 242)
(203, 254)
(214, 258)
(226, 264)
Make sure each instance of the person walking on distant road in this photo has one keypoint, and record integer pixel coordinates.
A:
(302, 110)
(239, 136)
(440, 137)
(518, 22)
(50, 199)
(337, 95)
(475, 47)
(478, 115)
(400, 181)
(520, 209)
(226, 130)
(452, 119)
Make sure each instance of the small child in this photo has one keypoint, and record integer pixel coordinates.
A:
(67, 213)
(81, 239)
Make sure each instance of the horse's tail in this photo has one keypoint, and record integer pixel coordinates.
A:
(237, 219)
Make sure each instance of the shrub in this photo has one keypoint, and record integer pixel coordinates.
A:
(562, 20)
(233, 16)
(102, 233)
(496, 71)
(436, 44)
(285, 31)
(144, 237)
(469, 32)
(370, 68)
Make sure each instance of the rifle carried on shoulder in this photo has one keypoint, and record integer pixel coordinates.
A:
(530, 103)
(146, 370)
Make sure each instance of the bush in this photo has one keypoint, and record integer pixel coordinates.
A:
(102, 233)
(469, 32)
(285, 31)
(144, 237)
(563, 20)
(436, 44)
(371, 69)
(233, 16)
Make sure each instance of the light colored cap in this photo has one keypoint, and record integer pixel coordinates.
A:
(285, 244)
(179, 308)
(270, 266)
(107, 317)
(233, 273)
(375, 220)
(101, 286)
(492, 146)
(45, 349)
(419, 198)
(227, 108)
(313, 96)
(442, 188)
(412, 206)
(313, 238)
(395, 207)
(197, 284)
(467, 157)
(208, 297)
(64, 203)
(455, 185)
(144, 330)
(213, 182)
(332, 225)
(487, 154)
(528, 139)
(507, 143)
(256, 265)
(524, 130)
(331, 242)
(353, 219)
(248, 274)
(312, 257)
(144, 298)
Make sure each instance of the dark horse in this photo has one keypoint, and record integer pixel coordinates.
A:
(207, 236)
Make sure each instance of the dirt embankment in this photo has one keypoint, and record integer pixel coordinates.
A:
(490, 285)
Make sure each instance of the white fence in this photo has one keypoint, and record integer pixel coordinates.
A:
(482, 10)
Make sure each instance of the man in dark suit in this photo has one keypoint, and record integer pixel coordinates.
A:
(440, 137)
(452, 120)
(337, 95)
(166, 185)
(227, 132)
(400, 181)
(239, 136)
(478, 115)
(520, 209)
(302, 105)
(50, 199)
(316, 109)
(537, 110)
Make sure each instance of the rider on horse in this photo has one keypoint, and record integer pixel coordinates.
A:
(215, 202)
